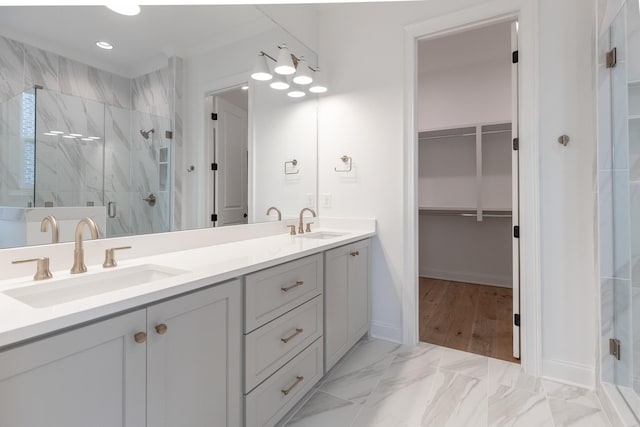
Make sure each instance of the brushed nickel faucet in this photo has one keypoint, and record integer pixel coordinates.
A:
(301, 229)
(273, 208)
(78, 253)
(55, 230)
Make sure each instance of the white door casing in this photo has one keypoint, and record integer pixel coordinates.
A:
(515, 199)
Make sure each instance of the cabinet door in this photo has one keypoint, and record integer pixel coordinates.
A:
(336, 294)
(91, 376)
(194, 359)
(358, 311)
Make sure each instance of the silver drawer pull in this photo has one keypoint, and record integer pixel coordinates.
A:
(289, 338)
(295, 285)
(298, 381)
(355, 253)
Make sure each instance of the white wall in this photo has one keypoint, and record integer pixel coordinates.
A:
(214, 70)
(453, 97)
(363, 116)
(300, 20)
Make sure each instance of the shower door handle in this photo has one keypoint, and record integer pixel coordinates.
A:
(150, 199)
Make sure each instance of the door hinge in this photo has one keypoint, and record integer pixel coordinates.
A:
(214, 217)
(214, 116)
(516, 319)
(516, 231)
(514, 57)
(214, 166)
(612, 58)
(516, 144)
(168, 134)
(614, 348)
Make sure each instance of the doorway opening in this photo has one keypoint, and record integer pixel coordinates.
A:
(468, 179)
(227, 130)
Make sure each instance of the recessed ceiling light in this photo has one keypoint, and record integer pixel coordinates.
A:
(87, 139)
(56, 132)
(93, 137)
(104, 45)
(77, 135)
(296, 93)
(50, 134)
(245, 88)
(69, 136)
(124, 7)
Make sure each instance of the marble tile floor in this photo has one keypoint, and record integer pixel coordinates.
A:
(383, 384)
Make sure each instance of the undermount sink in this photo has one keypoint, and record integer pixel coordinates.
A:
(322, 235)
(48, 293)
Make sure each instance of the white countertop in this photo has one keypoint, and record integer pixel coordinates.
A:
(204, 265)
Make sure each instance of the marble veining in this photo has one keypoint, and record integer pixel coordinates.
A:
(434, 386)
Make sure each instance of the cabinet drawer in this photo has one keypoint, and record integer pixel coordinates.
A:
(272, 345)
(272, 292)
(268, 403)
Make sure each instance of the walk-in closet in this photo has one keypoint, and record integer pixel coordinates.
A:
(468, 164)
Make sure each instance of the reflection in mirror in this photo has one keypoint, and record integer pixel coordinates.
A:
(125, 136)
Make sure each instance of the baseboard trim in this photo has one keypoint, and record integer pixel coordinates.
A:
(386, 331)
(457, 276)
(615, 406)
(569, 373)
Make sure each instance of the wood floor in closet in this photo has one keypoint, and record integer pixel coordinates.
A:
(467, 317)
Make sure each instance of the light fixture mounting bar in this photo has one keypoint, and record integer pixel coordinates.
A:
(293, 57)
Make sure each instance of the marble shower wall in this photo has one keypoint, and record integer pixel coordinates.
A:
(115, 108)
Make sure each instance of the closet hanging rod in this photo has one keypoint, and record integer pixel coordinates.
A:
(457, 135)
(464, 214)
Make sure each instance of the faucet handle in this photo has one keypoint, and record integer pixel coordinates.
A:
(42, 272)
(308, 229)
(293, 229)
(109, 256)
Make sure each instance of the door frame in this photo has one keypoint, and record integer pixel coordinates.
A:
(530, 267)
(225, 85)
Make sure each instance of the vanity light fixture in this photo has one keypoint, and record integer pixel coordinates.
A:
(124, 7)
(318, 85)
(284, 65)
(69, 136)
(296, 92)
(77, 135)
(303, 73)
(50, 134)
(94, 137)
(261, 70)
(279, 83)
(88, 139)
(104, 45)
(56, 132)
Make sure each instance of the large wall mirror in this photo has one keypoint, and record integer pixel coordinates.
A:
(165, 131)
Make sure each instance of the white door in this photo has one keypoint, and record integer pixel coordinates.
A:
(230, 156)
(515, 176)
(91, 376)
(194, 361)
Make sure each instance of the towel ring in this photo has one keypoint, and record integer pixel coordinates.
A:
(347, 160)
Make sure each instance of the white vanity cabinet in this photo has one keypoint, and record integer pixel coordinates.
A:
(346, 295)
(283, 338)
(194, 359)
(90, 376)
(175, 363)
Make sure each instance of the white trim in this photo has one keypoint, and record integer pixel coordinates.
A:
(500, 281)
(569, 373)
(385, 331)
(485, 14)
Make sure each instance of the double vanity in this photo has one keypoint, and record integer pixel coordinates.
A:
(231, 329)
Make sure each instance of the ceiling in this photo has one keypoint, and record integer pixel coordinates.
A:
(486, 44)
(141, 43)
